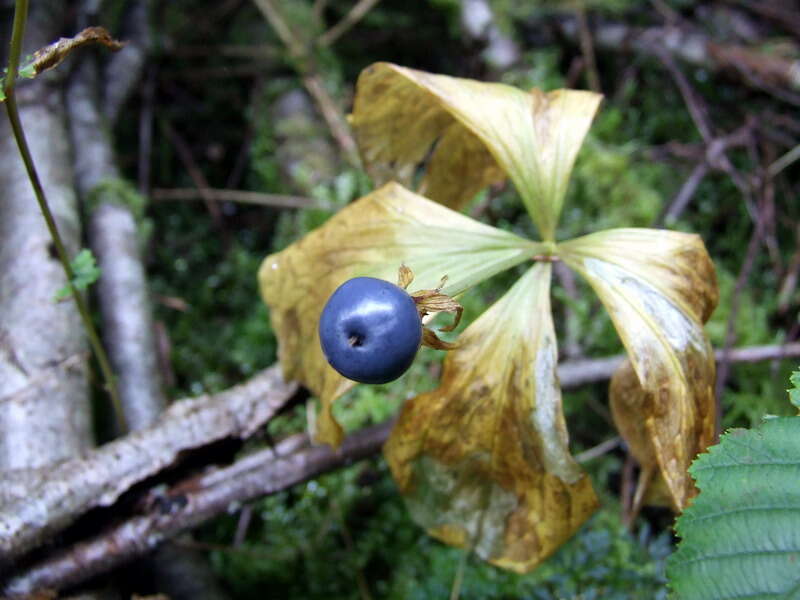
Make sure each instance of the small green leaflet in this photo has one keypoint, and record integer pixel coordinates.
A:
(84, 273)
(741, 535)
(794, 392)
(26, 71)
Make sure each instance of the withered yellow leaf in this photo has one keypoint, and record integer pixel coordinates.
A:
(470, 134)
(659, 288)
(373, 236)
(629, 403)
(483, 460)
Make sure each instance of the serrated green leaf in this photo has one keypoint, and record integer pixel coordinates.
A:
(84, 273)
(741, 535)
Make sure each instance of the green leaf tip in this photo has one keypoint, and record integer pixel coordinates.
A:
(84, 273)
(741, 534)
(794, 391)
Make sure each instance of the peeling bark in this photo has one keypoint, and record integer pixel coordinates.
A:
(99, 478)
(191, 503)
(112, 469)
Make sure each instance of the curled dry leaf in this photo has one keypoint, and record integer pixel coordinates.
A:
(404, 277)
(659, 288)
(470, 134)
(372, 237)
(53, 55)
(483, 460)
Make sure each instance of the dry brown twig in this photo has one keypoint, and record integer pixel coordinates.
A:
(241, 196)
(353, 16)
(198, 178)
(304, 63)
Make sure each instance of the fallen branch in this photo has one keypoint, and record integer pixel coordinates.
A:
(99, 478)
(190, 502)
(304, 64)
(757, 69)
(355, 14)
(188, 505)
(128, 330)
(241, 196)
(266, 472)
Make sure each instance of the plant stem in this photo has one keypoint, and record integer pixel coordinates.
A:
(20, 18)
(455, 590)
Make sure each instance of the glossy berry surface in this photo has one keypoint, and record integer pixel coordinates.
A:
(370, 330)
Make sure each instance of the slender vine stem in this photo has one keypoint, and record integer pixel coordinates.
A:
(20, 18)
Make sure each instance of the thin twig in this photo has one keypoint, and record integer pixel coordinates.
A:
(723, 368)
(598, 450)
(242, 196)
(353, 16)
(146, 118)
(697, 110)
(20, 18)
(185, 154)
(587, 49)
(685, 194)
(304, 64)
(784, 161)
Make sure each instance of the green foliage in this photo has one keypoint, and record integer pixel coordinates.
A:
(741, 536)
(26, 71)
(84, 273)
(297, 548)
(118, 191)
(218, 334)
(794, 392)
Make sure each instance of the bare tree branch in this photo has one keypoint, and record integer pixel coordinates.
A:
(756, 68)
(354, 15)
(190, 502)
(188, 505)
(128, 327)
(242, 196)
(301, 54)
(98, 479)
(123, 71)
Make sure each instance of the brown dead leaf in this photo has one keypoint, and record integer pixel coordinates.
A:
(54, 54)
(483, 460)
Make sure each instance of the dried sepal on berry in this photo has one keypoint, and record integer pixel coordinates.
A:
(431, 340)
(404, 277)
(431, 302)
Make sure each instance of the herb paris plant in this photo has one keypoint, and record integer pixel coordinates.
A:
(483, 460)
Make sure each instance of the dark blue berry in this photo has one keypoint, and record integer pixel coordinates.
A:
(370, 330)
